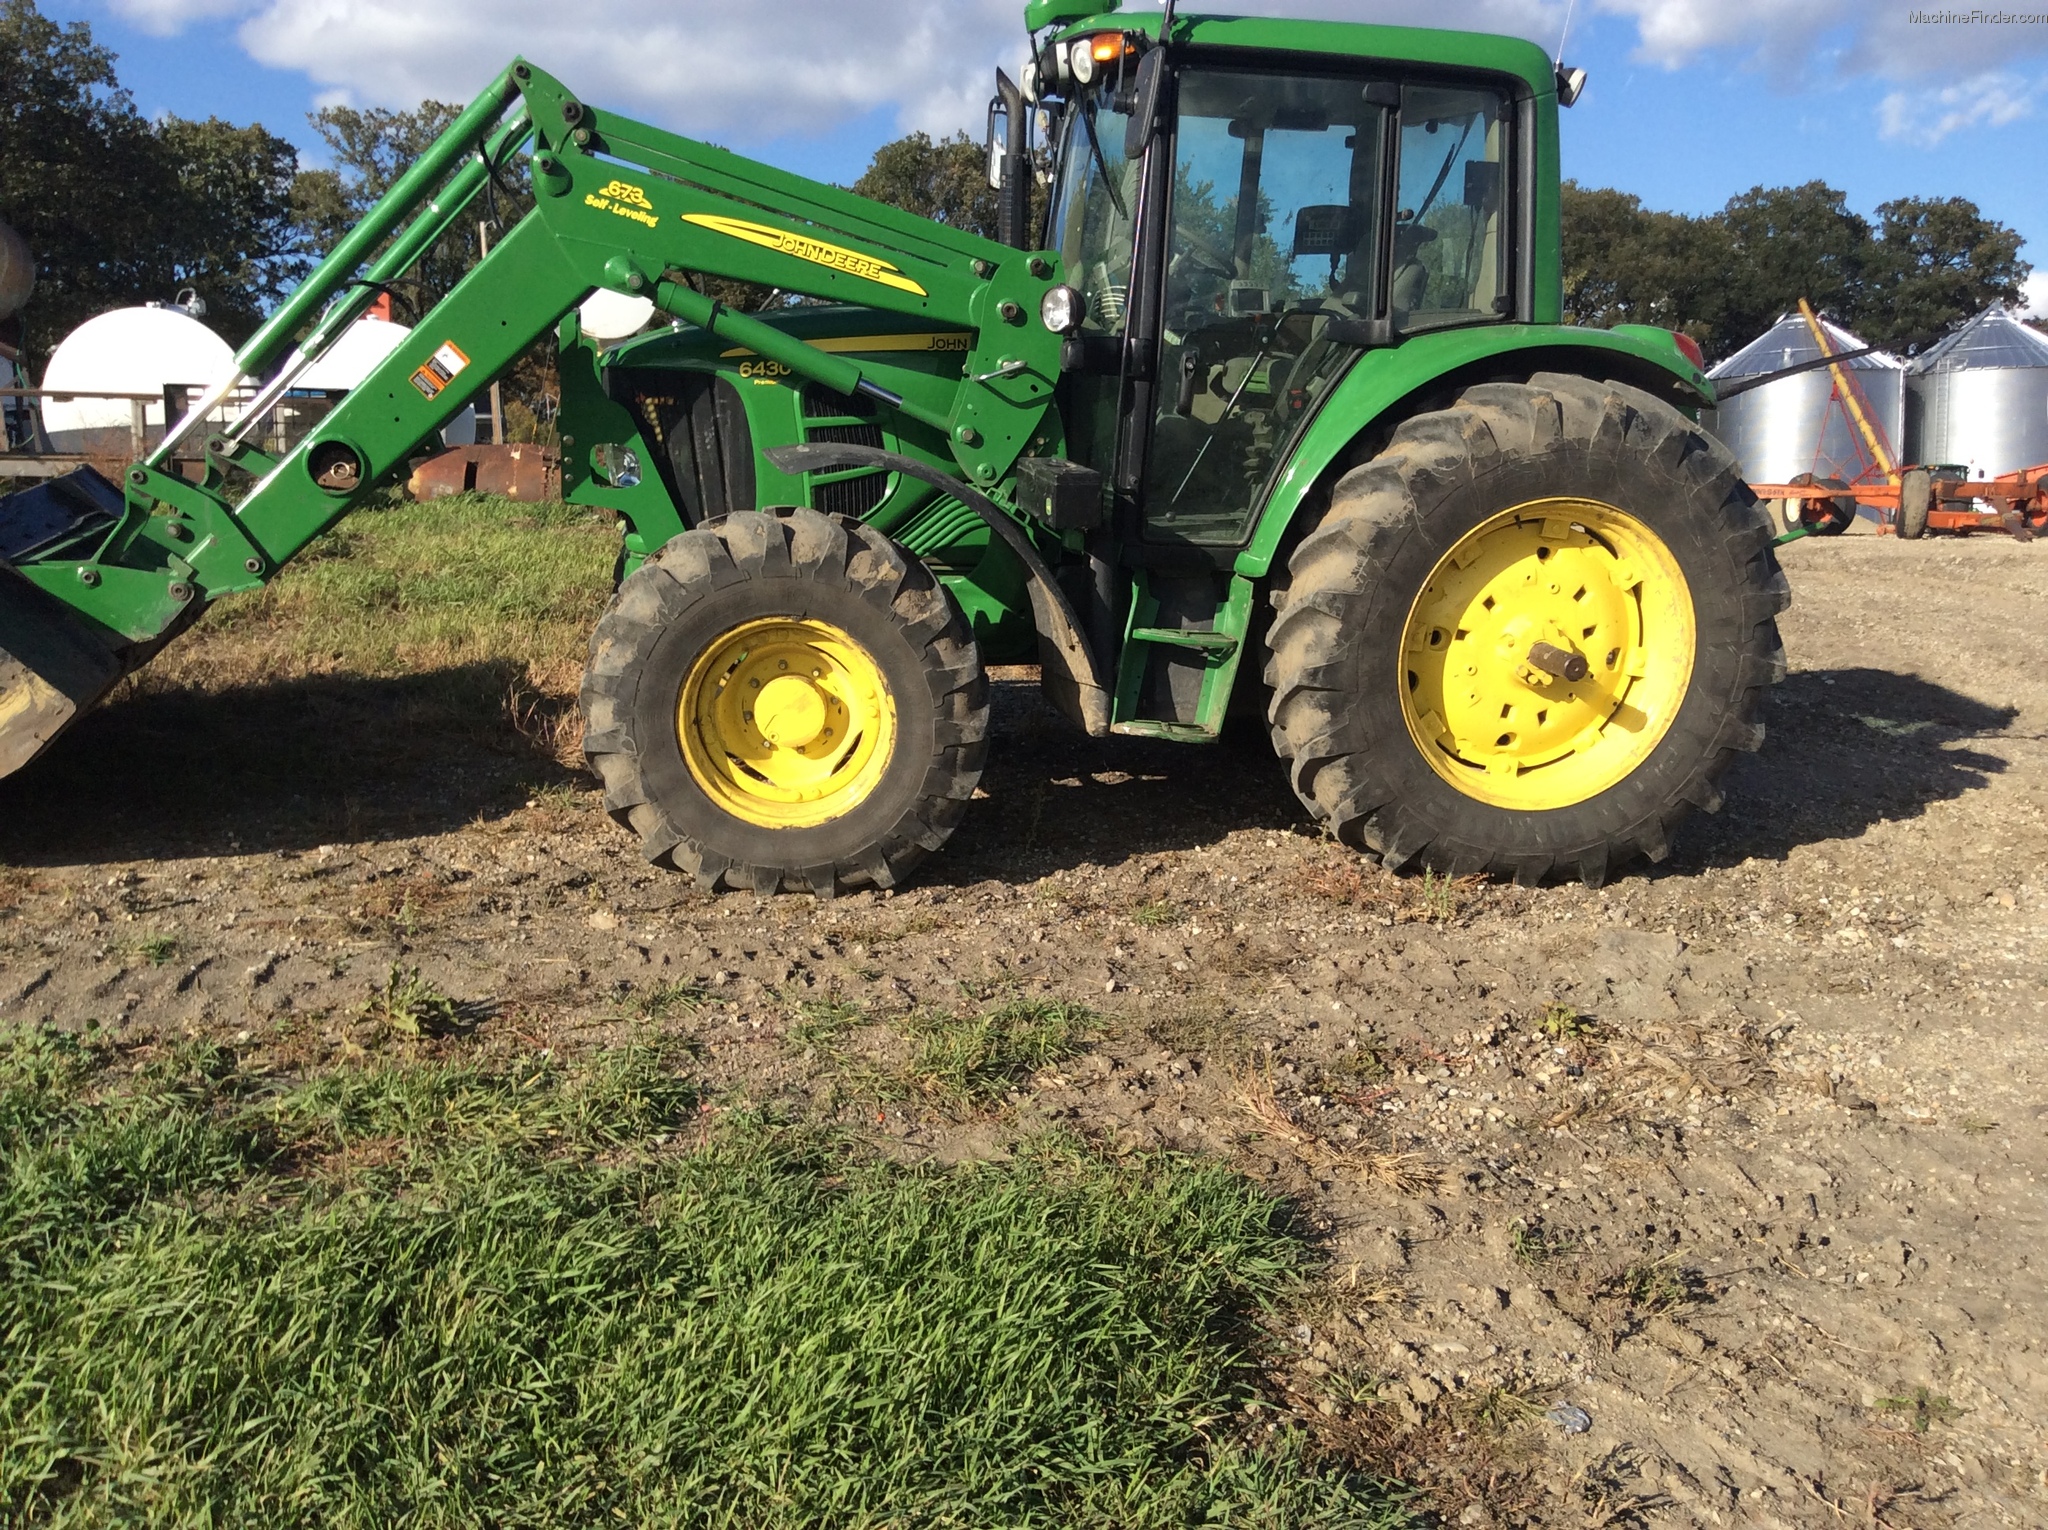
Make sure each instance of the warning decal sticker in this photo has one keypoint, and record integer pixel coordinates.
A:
(440, 369)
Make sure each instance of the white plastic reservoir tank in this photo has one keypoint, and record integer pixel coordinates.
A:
(129, 350)
(356, 351)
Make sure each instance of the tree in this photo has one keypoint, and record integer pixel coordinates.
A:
(1936, 262)
(945, 180)
(1789, 242)
(227, 229)
(372, 148)
(75, 164)
(1627, 264)
(118, 210)
(1726, 277)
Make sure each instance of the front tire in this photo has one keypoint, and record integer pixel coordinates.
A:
(1916, 498)
(785, 700)
(1529, 636)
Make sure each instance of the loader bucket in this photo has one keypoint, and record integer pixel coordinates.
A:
(53, 664)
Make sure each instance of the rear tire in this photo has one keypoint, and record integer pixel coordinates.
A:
(1825, 517)
(717, 804)
(1342, 652)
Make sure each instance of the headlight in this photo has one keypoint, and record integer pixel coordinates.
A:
(1081, 60)
(1060, 310)
(1029, 84)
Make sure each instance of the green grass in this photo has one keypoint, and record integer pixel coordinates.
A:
(820, 1023)
(455, 580)
(971, 1059)
(509, 1293)
(411, 1006)
(1560, 1022)
(672, 998)
(157, 949)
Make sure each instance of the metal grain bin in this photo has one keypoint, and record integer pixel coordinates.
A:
(1979, 399)
(1786, 428)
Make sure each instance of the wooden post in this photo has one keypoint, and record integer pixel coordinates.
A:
(483, 248)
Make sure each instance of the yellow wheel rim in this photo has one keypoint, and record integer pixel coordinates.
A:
(1504, 625)
(786, 722)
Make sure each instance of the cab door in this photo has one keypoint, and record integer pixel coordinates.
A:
(1273, 227)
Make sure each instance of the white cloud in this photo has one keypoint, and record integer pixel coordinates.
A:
(165, 18)
(1675, 32)
(1925, 116)
(747, 70)
(1788, 38)
(2036, 300)
(733, 69)
(729, 68)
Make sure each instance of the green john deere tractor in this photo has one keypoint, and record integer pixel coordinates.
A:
(1274, 411)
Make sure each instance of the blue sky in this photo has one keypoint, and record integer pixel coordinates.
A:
(1690, 101)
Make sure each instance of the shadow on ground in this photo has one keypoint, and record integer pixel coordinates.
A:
(177, 771)
(161, 774)
(1846, 749)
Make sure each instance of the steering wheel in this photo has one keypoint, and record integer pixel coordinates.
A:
(1205, 255)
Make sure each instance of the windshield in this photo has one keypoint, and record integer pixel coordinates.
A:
(1093, 216)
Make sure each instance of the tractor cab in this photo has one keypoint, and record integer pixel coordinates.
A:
(1237, 226)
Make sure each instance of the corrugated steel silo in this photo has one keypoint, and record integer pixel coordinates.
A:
(1979, 399)
(1786, 428)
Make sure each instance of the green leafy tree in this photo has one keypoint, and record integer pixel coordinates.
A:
(1628, 264)
(227, 229)
(1789, 242)
(371, 148)
(1937, 260)
(944, 179)
(118, 210)
(76, 161)
(1724, 278)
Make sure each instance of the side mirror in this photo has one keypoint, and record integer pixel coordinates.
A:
(998, 140)
(1145, 94)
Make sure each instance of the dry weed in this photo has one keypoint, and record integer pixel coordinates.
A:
(1403, 1173)
(1662, 1064)
(541, 707)
(1427, 899)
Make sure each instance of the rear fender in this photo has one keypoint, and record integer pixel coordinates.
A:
(1386, 386)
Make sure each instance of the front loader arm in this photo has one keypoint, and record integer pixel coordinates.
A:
(618, 205)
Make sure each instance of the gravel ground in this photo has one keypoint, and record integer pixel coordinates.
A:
(1707, 1198)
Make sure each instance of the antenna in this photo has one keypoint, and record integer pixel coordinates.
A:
(1564, 32)
(1166, 24)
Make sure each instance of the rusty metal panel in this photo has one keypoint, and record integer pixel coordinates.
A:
(523, 472)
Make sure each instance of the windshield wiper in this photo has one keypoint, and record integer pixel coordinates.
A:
(1101, 164)
(1445, 173)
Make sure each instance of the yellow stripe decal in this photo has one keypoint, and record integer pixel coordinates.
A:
(956, 341)
(804, 247)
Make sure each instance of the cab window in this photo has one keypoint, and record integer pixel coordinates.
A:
(1450, 227)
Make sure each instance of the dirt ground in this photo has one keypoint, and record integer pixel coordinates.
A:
(1712, 1197)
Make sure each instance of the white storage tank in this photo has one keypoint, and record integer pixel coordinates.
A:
(1791, 427)
(129, 350)
(1979, 399)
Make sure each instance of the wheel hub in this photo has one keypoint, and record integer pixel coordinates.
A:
(786, 722)
(1511, 614)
